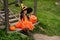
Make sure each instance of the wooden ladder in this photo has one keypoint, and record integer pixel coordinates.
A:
(12, 19)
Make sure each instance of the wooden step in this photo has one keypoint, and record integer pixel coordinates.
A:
(1, 17)
(36, 23)
(13, 20)
(1, 20)
(2, 11)
(2, 14)
(2, 27)
(11, 17)
(1, 23)
(17, 30)
(13, 23)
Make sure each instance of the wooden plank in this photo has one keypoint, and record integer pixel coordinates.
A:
(13, 20)
(2, 27)
(10, 17)
(2, 11)
(13, 23)
(1, 17)
(1, 23)
(2, 14)
(36, 23)
(17, 30)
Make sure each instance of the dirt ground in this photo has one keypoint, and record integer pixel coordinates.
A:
(45, 37)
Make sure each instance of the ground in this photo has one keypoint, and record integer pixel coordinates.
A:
(45, 37)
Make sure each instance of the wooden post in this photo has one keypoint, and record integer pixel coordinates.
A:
(19, 1)
(6, 15)
(35, 7)
(1, 1)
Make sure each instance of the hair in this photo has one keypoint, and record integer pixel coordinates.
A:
(21, 15)
(28, 11)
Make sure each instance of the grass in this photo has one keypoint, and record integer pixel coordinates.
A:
(13, 36)
(48, 14)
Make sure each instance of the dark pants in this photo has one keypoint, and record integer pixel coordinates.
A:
(28, 33)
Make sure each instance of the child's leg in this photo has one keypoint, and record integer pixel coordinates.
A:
(25, 33)
(30, 34)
